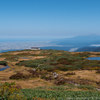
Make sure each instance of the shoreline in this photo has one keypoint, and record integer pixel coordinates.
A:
(2, 66)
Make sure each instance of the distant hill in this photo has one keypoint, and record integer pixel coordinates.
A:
(96, 49)
(79, 41)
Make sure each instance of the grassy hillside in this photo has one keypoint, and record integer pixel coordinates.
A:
(33, 71)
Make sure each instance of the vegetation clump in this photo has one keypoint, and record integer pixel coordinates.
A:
(85, 87)
(28, 63)
(3, 63)
(19, 75)
(60, 95)
(12, 58)
(10, 91)
(98, 71)
(70, 73)
(61, 81)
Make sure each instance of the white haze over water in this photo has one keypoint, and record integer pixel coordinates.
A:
(26, 42)
(95, 45)
(73, 49)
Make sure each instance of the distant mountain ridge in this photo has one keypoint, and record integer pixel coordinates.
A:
(92, 38)
(96, 49)
(79, 41)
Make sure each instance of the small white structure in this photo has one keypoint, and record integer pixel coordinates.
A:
(35, 48)
(54, 73)
(56, 76)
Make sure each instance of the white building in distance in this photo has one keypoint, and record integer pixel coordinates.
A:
(35, 48)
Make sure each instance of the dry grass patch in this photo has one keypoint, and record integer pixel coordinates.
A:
(86, 74)
(30, 83)
(32, 52)
(31, 58)
(1, 59)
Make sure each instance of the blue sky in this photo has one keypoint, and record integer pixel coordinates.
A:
(55, 18)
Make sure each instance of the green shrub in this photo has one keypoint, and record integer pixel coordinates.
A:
(70, 73)
(61, 87)
(43, 76)
(12, 58)
(10, 91)
(98, 71)
(62, 68)
(33, 65)
(86, 87)
(60, 95)
(28, 63)
(3, 63)
(66, 67)
(60, 81)
(19, 75)
(46, 67)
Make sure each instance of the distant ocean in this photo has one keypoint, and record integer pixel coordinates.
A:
(47, 47)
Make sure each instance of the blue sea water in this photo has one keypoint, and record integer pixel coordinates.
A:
(94, 58)
(1, 69)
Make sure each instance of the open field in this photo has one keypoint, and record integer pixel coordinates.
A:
(35, 70)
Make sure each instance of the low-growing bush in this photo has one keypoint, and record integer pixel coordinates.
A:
(60, 81)
(46, 77)
(64, 61)
(19, 75)
(28, 63)
(47, 67)
(70, 73)
(61, 87)
(86, 87)
(62, 68)
(10, 91)
(66, 67)
(98, 83)
(3, 63)
(34, 65)
(34, 73)
(83, 81)
(12, 58)
(98, 71)
(61, 95)
(43, 76)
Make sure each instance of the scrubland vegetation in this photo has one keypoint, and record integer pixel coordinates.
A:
(76, 76)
